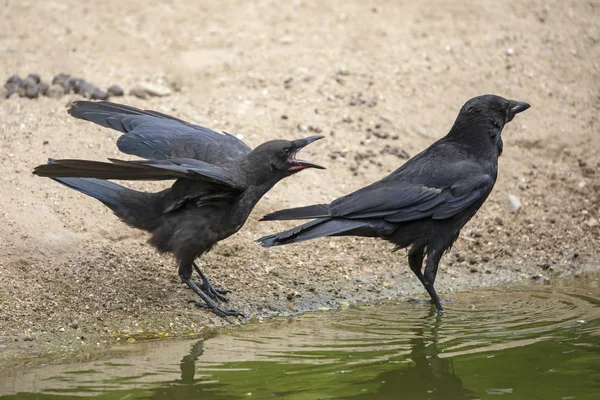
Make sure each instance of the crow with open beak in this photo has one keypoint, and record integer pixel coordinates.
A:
(218, 181)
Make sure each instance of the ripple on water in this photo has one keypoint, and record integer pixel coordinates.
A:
(514, 343)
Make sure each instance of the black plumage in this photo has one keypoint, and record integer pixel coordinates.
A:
(425, 203)
(218, 181)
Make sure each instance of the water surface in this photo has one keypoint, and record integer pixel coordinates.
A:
(538, 342)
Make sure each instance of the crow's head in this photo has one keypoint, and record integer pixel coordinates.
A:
(280, 156)
(486, 115)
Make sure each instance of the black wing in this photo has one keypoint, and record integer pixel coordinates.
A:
(395, 201)
(174, 168)
(153, 135)
(403, 202)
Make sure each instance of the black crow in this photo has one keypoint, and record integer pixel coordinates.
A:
(218, 181)
(425, 203)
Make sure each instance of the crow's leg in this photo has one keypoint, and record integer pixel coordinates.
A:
(185, 273)
(208, 288)
(415, 262)
(431, 266)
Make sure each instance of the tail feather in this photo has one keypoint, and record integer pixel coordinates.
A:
(105, 191)
(307, 212)
(326, 227)
(133, 207)
(116, 169)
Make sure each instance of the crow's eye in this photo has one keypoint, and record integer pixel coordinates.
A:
(287, 151)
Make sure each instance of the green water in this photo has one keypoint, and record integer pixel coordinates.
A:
(539, 342)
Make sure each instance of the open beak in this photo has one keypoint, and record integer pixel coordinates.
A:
(517, 107)
(295, 163)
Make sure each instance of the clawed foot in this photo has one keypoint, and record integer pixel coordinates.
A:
(217, 310)
(209, 289)
(440, 310)
(213, 292)
(207, 293)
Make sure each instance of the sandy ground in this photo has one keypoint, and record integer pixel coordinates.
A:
(380, 79)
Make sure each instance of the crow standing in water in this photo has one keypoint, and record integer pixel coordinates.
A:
(423, 204)
(218, 181)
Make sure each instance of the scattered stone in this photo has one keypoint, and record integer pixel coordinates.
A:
(138, 92)
(303, 128)
(56, 91)
(536, 277)
(11, 88)
(28, 88)
(74, 325)
(61, 330)
(473, 270)
(35, 78)
(115, 90)
(99, 95)
(15, 79)
(515, 202)
(592, 222)
(343, 70)
(154, 89)
(62, 80)
(472, 261)
(43, 88)
(284, 116)
(286, 40)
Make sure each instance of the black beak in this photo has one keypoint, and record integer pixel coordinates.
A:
(296, 164)
(517, 107)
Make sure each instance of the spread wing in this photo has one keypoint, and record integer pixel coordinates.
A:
(173, 168)
(153, 135)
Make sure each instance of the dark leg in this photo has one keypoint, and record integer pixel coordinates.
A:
(415, 261)
(431, 266)
(208, 288)
(185, 273)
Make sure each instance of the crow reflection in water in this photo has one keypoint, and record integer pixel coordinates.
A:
(427, 377)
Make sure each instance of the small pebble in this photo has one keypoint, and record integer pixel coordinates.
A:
(154, 89)
(62, 80)
(515, 202)
(34, 77)
(56, 91)
(43, 88)
(13, 79)
(286, 40)
(29, 88)
(74, 325)
(11, 88)
(302, 128)
(138, 92)
(115, 90)
(98, 94)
